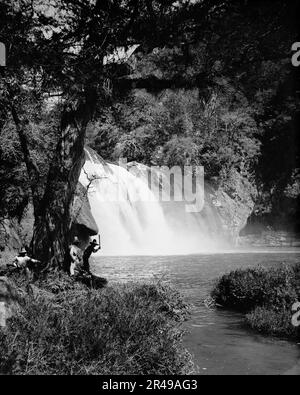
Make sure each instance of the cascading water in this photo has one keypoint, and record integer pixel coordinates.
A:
(132, 219)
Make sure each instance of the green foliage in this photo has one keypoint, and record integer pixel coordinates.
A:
(42, 133)
(13, 189)
(246, 289)
(179, 128)
(273, 322)
(266, 295)
(127, 329)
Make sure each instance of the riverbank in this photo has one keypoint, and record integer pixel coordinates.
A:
(265, 296)
(217, 338)
(62, 327)
(270, 239)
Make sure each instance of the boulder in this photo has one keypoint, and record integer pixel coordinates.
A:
(234, 203)
(83, 222)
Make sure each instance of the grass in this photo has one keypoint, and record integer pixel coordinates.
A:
(272, 322)
(125, 329)
(265, 296)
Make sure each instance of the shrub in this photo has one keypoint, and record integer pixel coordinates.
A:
(273, 322)
(246, 289)
(125, 329)
(267, 295)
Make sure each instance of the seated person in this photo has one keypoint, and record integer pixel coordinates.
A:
(23, 262)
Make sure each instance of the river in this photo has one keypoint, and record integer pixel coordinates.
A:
(217, 338)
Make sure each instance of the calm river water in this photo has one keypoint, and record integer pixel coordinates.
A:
(218, 339)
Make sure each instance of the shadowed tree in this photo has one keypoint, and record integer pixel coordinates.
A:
(57, 48)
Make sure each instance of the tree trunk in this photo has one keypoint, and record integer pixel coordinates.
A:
(52, 217)
(32, 171)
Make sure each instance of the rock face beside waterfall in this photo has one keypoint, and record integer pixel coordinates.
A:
(233, 205)
(233, 213)
(84, 224)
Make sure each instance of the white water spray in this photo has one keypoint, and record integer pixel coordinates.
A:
(132, 220)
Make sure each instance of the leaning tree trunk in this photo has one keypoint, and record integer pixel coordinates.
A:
(52, 217)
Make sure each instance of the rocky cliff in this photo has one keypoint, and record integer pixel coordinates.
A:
(83, 222)
(233, 202)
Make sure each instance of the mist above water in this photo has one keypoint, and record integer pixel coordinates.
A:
(133, 221)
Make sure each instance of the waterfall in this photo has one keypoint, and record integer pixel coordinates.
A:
(133, 221)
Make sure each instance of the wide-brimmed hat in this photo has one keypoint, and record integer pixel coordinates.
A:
(94, 242)
(23, 251)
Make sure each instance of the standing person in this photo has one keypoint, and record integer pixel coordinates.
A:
(23, 262)
(74, 255)
(88, 252)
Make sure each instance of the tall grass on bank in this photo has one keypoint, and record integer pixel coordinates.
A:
(125, 329)
(266, 297)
